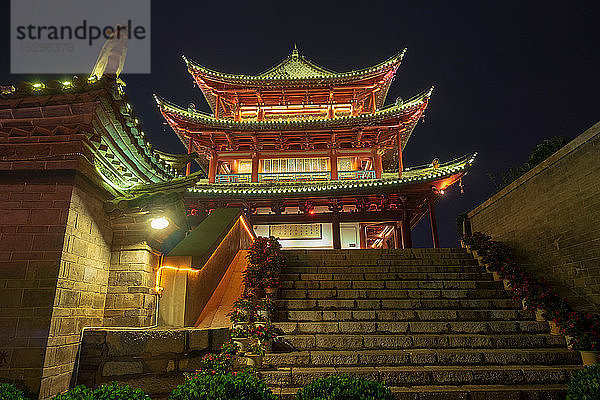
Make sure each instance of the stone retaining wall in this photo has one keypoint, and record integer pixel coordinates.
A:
(551, 217)
(153, 360)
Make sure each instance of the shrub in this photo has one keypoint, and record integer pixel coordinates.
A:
(116, 392)
(344, 387)
(77, 393)
(234, 386)
(104, 392)
(538, 293)
(585, 384)
(264, 263)
(8, 391)
(217, 363)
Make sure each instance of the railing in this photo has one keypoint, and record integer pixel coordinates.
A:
(294, 176)
(233, 178)
(356, 174)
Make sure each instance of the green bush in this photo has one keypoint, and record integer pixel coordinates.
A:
(585, 384)
(105, 392)
(344, 387)
(77, 393)
(8, 391)
(234, 386)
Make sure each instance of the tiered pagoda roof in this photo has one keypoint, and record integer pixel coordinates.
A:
(288, 81)
(409, 190)
(365, 130)
(311, 108)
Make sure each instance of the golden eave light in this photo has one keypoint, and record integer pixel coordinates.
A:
(159, 223)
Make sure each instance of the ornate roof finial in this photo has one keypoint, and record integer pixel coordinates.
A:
(295, 51)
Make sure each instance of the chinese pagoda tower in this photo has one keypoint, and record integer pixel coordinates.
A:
(303, 149)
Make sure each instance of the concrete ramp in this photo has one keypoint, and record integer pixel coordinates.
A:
(214, 315)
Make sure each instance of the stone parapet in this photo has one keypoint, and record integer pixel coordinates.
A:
(550, 215)
(153, 359)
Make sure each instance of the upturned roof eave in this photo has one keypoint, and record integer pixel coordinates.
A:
(207, 121)
(264, 79)
(195, 186)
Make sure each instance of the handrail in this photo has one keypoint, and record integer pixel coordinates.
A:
(233, 178)
(357, 174)
(294, 176)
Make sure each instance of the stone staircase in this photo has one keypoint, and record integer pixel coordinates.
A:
(429, 323)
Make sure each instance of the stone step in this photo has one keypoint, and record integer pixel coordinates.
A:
(464, 392)
(412, 304)
(466, 266)
(426, 375)
(366, 341)
(429, 323)
(414, 327)
(334, 254)
(392, 294)
(373, 263)
(470, 357)
(324, 281)
(404, 276)
(403, 315)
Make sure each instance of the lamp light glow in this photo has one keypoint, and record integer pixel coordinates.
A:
(159, 223)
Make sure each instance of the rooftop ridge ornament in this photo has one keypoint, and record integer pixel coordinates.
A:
(112, 56)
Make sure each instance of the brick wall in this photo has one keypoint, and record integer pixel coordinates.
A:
(551, 215)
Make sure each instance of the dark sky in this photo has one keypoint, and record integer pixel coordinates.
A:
(507, 74)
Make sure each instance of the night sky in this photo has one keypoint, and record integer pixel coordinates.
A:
(507, 74)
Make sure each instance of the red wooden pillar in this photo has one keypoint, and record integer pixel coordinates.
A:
(398, 234)
(406, 234)
(362, 228)
(434, 231)
(333, 165)
(377, 164)
(400, 163)
(188, 167)
(335, 231)
(212, 168)
(255, 162)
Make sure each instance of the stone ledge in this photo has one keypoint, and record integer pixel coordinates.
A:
(573, 145)
(155, 353)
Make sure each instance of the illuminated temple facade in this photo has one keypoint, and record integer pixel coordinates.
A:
(299, 152)
(313, 156)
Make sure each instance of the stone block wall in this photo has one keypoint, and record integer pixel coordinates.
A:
(131, 300)
(33, 216)
(551, 217)
(81, 287)
(154, 360)
(62, 271)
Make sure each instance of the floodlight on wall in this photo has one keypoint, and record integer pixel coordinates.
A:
(159, 223)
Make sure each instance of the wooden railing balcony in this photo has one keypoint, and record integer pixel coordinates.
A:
(343, 175)
(294, 176)
(233, 178)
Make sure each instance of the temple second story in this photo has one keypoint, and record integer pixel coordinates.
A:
(296, 122)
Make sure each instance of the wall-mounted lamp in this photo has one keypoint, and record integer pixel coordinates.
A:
(437, 191)
(159, 223)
